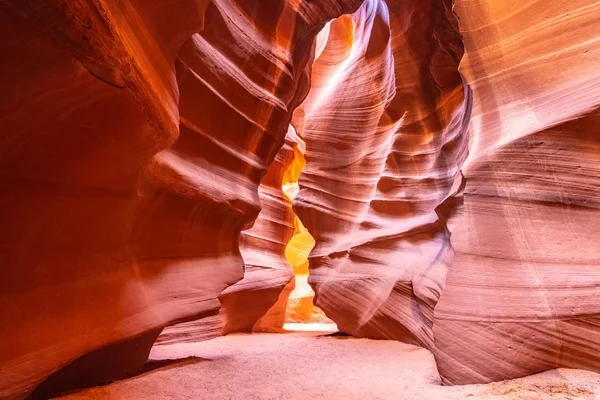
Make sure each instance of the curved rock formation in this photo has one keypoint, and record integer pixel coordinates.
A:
(259, 301)
(385, 131)
(522, 293)
(300, 307)
(83, 112)
(268, 272)
(116, 222)
(136, 135)
(525, 281)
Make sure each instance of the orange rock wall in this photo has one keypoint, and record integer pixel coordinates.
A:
(388, 124)
(263, 247)
(132, 152)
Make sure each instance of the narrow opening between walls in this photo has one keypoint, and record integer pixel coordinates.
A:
(301, 313)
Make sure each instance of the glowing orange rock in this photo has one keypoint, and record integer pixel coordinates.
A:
(268, 278)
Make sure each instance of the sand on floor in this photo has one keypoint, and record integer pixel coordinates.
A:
(319, 365)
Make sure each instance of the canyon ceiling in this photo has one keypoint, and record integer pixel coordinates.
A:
(447, 156)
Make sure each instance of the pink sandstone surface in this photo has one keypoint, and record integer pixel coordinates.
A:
(385, 125)
(522, 292)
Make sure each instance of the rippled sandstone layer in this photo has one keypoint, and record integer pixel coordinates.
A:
(522, 293)
(385, 131)
(132, 152)
(259, 300)
(384, 147)
(136, 135)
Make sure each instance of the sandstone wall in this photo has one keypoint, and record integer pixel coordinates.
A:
(385, 130)
(132, 151)
(522, 293)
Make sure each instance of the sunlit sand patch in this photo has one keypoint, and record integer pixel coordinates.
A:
(310, 327)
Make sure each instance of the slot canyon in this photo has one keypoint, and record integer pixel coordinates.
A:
(299, 199)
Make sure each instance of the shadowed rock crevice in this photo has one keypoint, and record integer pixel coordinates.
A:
(100, 367)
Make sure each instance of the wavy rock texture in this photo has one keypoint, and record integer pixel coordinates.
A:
(120, 217)
(530, 66)
(525, 281)
(385, 131)
(198, 330)
(522, 293)
(263, 247)
(268, 276)
(84, 111)
(258, 302)
(135, 135)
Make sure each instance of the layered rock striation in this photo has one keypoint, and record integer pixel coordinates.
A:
(385, 126)
(136, 134)
(522, 293)
(387, 132)
(268, 278)
(141, 138)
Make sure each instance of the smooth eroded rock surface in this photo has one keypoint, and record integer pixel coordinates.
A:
(263, 248)
(135, 136)
(150, 149)
(385, 131)
(522, 293)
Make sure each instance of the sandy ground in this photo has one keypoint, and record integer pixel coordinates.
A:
(312, 365)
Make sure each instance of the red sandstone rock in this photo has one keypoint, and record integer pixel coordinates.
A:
(115, 222)
(259, 300)
(263, 247)
(522, 293)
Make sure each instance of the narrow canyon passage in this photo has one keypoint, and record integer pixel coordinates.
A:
(298, 199)
(301, 312)
(319, 365)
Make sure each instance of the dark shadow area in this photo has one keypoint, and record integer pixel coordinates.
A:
(164, 365)
(149, 367)
(338, 334)
(99, 367)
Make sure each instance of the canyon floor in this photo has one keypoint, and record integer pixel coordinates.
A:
(318, 365)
